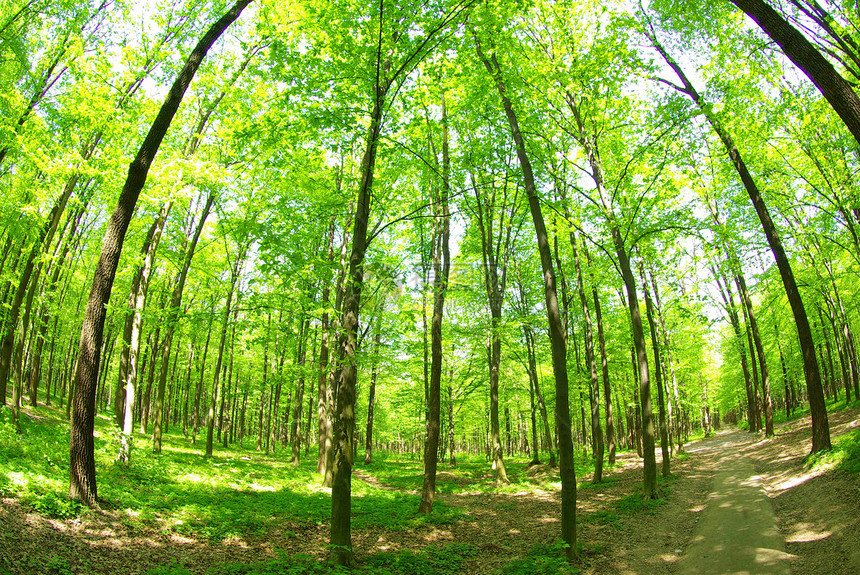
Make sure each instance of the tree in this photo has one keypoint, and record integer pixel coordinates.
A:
(557, 335)
(820, 426)
(82, 463)
(441, 271)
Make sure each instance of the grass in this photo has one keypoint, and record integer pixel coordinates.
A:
(235, 494)
(844, 455)
(435, 560)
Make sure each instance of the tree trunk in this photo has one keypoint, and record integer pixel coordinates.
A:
(652, 326)
(767, 402)
(82, 473)
(728, 301)
(172, 320)
(344, 420)
(820, 425)
(641, 355)
(127, 379)
(835, 89)
(594, 389)
(371, 394)
(225, 323)
(441, 270)
(556, 325)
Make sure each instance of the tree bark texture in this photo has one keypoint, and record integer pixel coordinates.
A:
(82, 473)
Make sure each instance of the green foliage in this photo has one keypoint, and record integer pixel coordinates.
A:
(844, 455)
(285, 564)
(58, 566)
(174, 568)
(634, 503)
(542, 560)
(435, 560)
(34, 465)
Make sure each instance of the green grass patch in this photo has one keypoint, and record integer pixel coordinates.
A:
(235, 494)
(634, 503)
(542, 560)
(844, 455)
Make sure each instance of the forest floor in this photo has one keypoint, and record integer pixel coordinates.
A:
(816, 509)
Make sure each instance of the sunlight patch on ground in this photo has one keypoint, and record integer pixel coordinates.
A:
(793, 481)
(192, 478)
(805, 533)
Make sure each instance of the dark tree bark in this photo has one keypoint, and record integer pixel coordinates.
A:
(296, 437)
(674, 410)
(649, 466)
(441, 270)
(82, 472)
(604, 362)
(323, 413)
(594, 389)
(820, 425)
(371, 394)
(556, 325)
(344, 416)
(835, 89)
(731, 311)
(217, 383)
(766, 401)
(655, 346)
(127, 381)
(495, 252)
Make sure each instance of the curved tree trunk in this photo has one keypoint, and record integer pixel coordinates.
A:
(558, 336)
(820, 425)
(82, 472)
(835, 89)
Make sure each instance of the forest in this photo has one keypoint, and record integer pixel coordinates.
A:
(367, 253)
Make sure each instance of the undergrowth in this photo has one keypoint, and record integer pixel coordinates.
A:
(542, 560)
(435, 560)
(844, 455)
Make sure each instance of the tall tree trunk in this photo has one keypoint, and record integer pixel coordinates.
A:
(674, 411)
(344, 416)
(767, 402)
(556, 325)
(441, 270)
(820, 425)
(835, 89)
(82, 472)
(173, 319)
(655, 346)
(594, 389)
(649, 466)
(125, 391)
(604, 362)
(371, 394)
(225, 324)
(323, 420)
(731, 310)
(296, 432)
(133, 317)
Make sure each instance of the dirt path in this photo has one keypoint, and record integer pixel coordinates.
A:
(737, 532)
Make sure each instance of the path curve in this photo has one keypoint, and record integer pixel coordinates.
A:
(737, 532)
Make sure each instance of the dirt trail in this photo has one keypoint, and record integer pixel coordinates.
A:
(737, 532)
